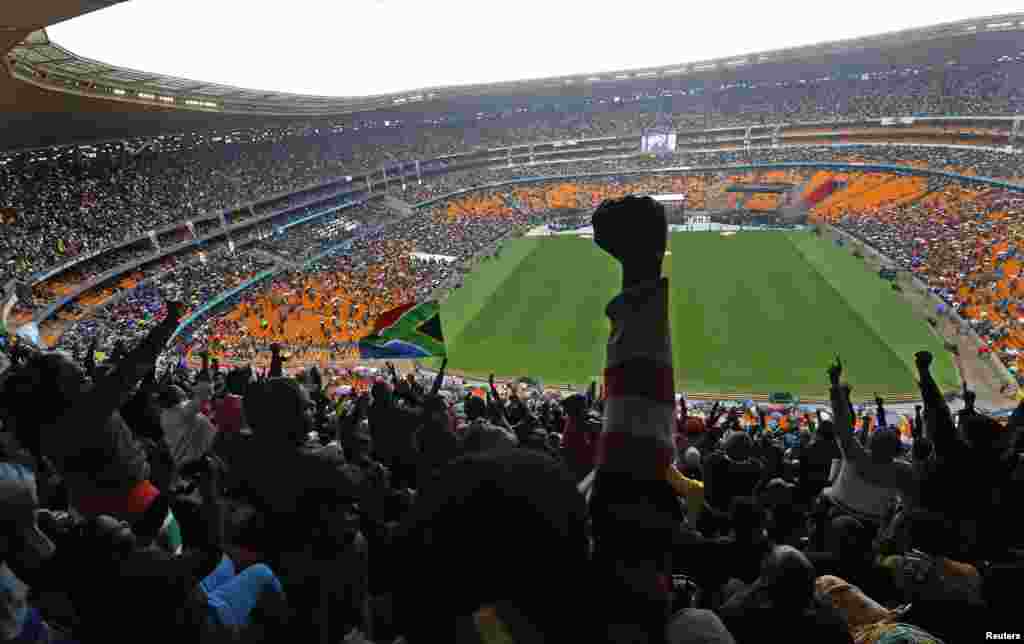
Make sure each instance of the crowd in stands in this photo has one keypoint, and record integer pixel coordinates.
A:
(342, 294)
(962, 242)
(304, 241)
(223, 505)
(124, 321)
(334, 301)
(69, 202)
(461, 233)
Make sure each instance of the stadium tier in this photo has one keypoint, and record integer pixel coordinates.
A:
(782, 394)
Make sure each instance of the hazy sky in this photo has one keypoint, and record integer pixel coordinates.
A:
(364, 47)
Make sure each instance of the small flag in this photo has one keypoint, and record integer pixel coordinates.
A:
(409, 331)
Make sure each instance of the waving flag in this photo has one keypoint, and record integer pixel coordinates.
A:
(409, 331)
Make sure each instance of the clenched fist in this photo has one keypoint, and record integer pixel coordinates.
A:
(631, 228)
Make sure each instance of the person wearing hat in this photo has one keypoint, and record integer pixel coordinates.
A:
(23, 544)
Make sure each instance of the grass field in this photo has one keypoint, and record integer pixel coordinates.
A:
(756, 312)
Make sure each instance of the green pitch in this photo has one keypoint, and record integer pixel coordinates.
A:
(756, 312)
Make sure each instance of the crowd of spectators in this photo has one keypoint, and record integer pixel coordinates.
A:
(126, 320)
(962, 242)
(67, 202)
(305, 240)
(239, 506)
(466, 226)
(319, 311)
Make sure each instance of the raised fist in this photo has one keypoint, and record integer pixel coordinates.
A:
(631, 228)
(835, 371)
(923, 359)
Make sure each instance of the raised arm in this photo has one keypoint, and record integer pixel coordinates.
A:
(90, 357)
(880, 411)
(841, 412)
(938, 421)
(637, 432)
(204, 372)
(635, 511)
(109, 389)
(922, 448)
(969, 398)
(493, 389)
(439, 379)
(276, 361)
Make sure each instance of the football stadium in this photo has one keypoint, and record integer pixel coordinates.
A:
(317, 332)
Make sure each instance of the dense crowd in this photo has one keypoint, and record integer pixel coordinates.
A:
(333, 302)
(304, 241)
(320, 311)
(230, 505)
(125, 320)
(67, 202)
(466, 226)
(962, 242)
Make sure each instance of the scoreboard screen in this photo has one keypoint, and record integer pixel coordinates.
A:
(658, 143)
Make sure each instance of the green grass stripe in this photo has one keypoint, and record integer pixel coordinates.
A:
(888, 314)
(749, 313)
(465, 303)
(546, 318)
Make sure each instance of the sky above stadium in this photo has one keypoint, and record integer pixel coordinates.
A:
(367, 47)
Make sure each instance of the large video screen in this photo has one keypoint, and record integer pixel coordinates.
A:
(659, 143)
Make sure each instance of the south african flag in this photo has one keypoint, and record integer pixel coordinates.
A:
(408, 331)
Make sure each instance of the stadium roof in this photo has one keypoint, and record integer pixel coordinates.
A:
(39, 60)
(45, 80)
